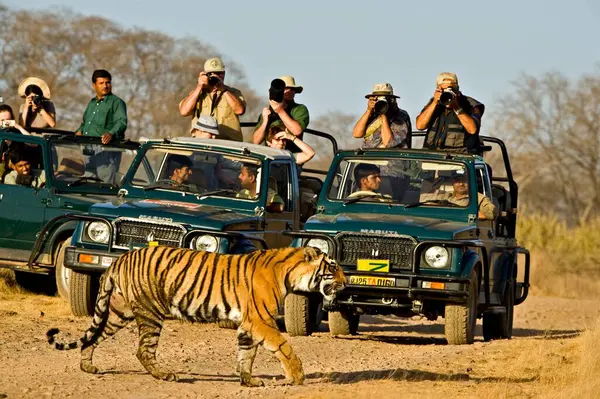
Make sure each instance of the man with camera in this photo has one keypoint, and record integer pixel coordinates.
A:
(384, 124)
(22, 173)
(283, 111)
(212, 97)
(452, 120)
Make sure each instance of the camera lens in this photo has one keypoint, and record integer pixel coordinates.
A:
(213, 80)
(446, 97)
(276, 90)
(381, 107)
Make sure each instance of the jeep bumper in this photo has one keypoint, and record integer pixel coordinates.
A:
(400, 289)
(88, 260)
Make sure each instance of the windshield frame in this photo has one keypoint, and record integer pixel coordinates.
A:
(54, 140)
(190, 196)
(391, 156)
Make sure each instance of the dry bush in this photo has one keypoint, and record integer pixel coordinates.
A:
(8, 285)
(565, 260)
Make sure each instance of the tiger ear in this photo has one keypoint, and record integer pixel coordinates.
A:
(311, 254)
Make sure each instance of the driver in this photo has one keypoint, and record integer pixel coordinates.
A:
(180, 169)
(368, 179)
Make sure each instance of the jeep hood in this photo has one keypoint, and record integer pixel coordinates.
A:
(421, 228)
(197, 215)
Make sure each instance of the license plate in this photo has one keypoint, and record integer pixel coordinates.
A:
(370, 280)
(373, 265)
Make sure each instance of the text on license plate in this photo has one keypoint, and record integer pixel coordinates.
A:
(370, 280)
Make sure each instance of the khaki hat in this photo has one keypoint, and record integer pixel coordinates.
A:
(34, 81)
(447, 77)
(291, 82)
(214, 64)
(382, 89)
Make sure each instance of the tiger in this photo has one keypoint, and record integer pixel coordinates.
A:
(154, 284)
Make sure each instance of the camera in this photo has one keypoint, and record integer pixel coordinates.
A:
(381, 105)
(213, 79)
(7, 123)
(37, 100)
(276, 90)
(447, 96)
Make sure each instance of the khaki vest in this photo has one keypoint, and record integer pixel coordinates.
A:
(229, 122)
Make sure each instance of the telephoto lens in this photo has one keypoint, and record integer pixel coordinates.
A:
(447, 96)
(381, 106)
(276, 90)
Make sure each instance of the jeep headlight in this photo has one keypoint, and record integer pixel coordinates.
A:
(98, 232)
(206, 243)
(437, 257)
(319, 243)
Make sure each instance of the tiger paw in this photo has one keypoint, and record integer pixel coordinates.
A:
(252, 382)
(88, 367)
(160, 375)
(294, 381)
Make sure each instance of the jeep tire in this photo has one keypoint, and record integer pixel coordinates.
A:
(62, 274)
(83, 290)
(302, 314)
(343, 322)
(500, 325)
(461, 319)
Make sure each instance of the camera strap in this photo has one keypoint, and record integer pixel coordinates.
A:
(215, 100)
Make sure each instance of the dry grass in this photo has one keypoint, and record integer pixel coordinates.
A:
(565, 260)
(14, 299)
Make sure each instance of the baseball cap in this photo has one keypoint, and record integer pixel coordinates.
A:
(206, 123)
(214, 64)
(447, 77)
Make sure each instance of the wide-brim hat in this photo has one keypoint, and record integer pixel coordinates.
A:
(382, 89)
(448, 78)
(291, 82)
(34, 81)
(206, 123)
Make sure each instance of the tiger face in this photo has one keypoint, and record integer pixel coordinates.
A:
(327, 277)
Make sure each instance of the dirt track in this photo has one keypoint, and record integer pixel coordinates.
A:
(390, 357)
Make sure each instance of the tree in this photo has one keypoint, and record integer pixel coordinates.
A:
(552, 126)
(151, 71)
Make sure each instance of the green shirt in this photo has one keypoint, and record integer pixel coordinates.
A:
(297, 112)
(108, 115)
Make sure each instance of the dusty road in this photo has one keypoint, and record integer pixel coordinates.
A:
(389, 358)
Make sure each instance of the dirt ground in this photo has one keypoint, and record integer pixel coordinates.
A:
(390, 357)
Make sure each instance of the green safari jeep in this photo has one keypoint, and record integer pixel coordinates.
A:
(418, 232)
(69, 165)
(211, 211)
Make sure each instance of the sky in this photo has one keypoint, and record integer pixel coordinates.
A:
(338, 50)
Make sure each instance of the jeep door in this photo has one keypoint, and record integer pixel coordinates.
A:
(22, 208)
(284, 183)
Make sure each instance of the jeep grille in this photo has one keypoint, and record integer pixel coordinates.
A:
(397, 249)
(137, 233)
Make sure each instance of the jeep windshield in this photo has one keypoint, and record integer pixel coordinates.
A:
(77, 162)
(400, 181)
(199, 172)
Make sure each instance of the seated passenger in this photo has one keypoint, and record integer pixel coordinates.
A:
(248, 176)
(368, 179)
(460, 197)
(22, 174)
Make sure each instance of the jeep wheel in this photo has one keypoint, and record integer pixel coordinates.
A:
(302, 314)
(461, 319)
(61, 273)
(343, 323)
(500, 325)
(36, 283)
(228, 324)
(83, 290)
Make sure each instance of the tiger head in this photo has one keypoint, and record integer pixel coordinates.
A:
(319, 273)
